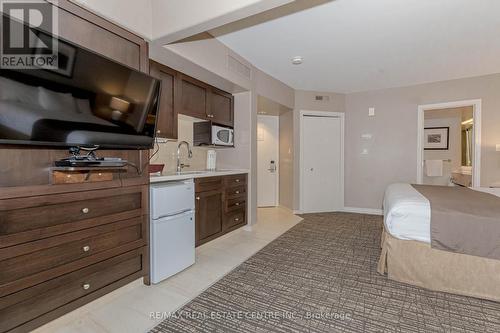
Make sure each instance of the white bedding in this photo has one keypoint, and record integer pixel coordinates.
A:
(407, 213)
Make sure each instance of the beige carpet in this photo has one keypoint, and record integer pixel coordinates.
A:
(321, 276)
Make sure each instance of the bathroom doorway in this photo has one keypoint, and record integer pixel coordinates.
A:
(449, 144)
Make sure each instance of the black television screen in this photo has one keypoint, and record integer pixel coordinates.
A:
(87, 100)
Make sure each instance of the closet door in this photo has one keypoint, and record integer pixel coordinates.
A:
(322, 164)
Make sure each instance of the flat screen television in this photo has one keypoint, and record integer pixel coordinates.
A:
(88, 100)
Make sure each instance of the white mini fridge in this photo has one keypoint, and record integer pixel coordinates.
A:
(172, 241)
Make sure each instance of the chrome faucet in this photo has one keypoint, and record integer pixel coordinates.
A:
(190, 154)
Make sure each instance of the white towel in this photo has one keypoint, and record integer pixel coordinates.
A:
(434, 168)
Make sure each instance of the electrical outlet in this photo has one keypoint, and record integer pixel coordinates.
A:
(371, 112)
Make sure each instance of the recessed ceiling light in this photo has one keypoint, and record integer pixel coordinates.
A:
(297, 60)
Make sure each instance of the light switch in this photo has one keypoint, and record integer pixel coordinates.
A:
(371, 112)
(364, 152)
(366, 136)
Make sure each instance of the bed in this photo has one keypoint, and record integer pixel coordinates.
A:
(408, 255)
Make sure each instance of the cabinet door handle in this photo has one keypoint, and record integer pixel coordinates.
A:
(236, 219)
(237, 192)
(237, 180)
(86, 286)
(86, 248)
(85, 210)
(237, 204)
(197, 198)
(158, 131)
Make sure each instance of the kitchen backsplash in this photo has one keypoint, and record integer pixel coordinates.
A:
(167, 153)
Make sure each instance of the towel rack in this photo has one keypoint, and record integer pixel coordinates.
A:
(448, 160)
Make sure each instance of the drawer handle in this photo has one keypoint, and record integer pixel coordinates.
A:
(236, 219)
(86, 286)
(237, 180)
(237, 192)
(86, 248)
(197, 198)
(237, 204)
(85, 210)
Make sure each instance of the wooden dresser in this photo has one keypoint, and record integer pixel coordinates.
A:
(64, 245)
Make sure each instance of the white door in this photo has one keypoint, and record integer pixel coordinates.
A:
(322, 164)
(267, 160)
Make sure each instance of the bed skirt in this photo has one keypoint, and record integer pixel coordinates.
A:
(418, 264)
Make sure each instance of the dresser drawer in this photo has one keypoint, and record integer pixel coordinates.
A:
(237, 191)
(234, 204)
(237, 217)
(34, 214)
(19, 308)
(51, 253)
(236, 180)
(208, 184)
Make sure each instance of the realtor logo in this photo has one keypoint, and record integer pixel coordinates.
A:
(27, 35)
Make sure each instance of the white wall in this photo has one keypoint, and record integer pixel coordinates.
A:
(392, 153)
(171, 20)
(132, 15)
(286, 159)
(174, 20)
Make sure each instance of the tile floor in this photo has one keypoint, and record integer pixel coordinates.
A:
(128, 309)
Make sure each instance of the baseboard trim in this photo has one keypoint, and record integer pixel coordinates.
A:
(371, 211)
(297, 212)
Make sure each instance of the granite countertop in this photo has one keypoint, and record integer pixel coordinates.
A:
(189, 174)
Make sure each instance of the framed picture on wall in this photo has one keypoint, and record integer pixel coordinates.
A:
(436, 138)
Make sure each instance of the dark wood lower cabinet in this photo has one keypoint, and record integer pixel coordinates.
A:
(208, 214)
(220, 206)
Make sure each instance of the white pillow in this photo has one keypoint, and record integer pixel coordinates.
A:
(14, 91)
(51, 100)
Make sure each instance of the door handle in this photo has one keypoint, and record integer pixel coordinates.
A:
(272, 168)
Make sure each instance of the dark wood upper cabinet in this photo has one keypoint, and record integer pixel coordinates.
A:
(182, 94)
(221, 107)
(166, 126)
(194, 97)
(203, 101)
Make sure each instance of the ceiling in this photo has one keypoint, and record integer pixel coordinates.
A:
(360, 45)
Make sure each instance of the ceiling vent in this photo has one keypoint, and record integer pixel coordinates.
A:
(237, 66)
(321, 98)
